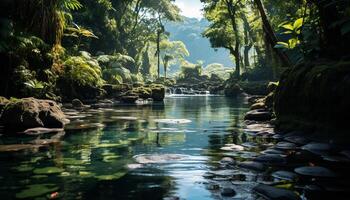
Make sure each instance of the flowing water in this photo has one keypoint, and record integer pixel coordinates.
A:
(131, 152)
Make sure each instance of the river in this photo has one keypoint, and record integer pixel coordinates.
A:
(158, 151)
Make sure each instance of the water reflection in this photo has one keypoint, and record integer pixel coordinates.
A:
(90, 160)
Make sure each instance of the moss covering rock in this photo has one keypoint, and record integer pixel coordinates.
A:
(30, 113)
(233, 90)
(314, 95)
(3, 103)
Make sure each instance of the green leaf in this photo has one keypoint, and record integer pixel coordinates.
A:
(298, 23)
(288, 27)
(281, 45)
(287, 32)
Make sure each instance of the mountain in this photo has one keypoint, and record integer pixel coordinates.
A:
(189, 31)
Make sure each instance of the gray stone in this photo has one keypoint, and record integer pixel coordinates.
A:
(315, 171)
(228, 192)
(273, 193)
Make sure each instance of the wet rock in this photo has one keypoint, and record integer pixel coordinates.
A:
(258, 105)
(17, 147)
(315, 171)
(317, 148)
(3, 103)
(223, 173)
(336, 158)
(286, 146)
(273, 193)
(249, 144)
(252, 165)
(273, 151)
(31, 113)
(258, 115)
(299, 140)
(228, 192)
(76, 103)
(41, 130)
(158, 92)
(233, 90)
(232, 147)
(285, 175)
(129, 99)
(227, 160)
(271, 159)
(213, 186)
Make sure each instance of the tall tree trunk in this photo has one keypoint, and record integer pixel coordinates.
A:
(271, 34)
(247, 43)
(158, 52)
(235, 52)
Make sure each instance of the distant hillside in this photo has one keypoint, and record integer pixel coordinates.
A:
(189, 31)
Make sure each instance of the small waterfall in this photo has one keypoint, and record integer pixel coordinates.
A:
(186, 91)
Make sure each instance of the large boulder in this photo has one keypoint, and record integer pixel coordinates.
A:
(30, 113)
(158, 92)
(258, 115)
(314, 96)
(233, 90)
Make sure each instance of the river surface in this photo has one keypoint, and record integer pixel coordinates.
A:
(132, 152)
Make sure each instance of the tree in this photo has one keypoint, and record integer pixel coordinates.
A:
(172, 52)
(224, 30)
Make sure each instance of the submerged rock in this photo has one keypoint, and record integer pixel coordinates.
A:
(17, 147)
(273, 193)
(31, 113)
(76, 103)
(227, 160)
(41, 130)
(228, 192)
(173, 121)
(158, 158)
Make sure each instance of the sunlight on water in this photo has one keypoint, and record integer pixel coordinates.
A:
(98, 155)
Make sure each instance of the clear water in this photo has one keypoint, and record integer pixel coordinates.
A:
(99, 163)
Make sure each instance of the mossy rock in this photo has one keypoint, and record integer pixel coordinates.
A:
(29, 113)
(143, 92)
(314, 94)
(3, 103)
(158, 92)
(233, 90)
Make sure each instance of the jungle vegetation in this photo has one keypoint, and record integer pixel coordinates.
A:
(66, 47)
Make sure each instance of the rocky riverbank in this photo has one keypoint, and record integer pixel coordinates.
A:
(292, 164)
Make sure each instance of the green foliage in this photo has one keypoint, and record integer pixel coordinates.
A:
(294, 31)
(217, 71)
(82, 71)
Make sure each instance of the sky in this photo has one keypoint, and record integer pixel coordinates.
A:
(190, 8)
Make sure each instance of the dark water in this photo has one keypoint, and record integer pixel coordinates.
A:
(94, 157)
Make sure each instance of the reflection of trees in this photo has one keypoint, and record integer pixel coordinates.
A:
(163, 139)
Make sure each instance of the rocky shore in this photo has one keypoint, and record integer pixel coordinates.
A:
(289, 165)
